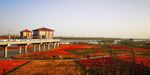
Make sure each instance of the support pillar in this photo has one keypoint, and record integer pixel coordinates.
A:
(39, 47)
(58, 44)
(19, 49)
(48, 46)
(25, 49)
(5, 51)
(52, 45)
(34, 47)
(55, 45)
(43, 46)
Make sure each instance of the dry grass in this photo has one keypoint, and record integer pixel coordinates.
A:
(48, 67)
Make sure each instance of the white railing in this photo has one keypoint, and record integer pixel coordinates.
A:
(27, 40)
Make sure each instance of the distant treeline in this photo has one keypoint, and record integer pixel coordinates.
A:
(11, 36)
(91, 38)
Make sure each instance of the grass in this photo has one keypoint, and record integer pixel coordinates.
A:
(145, 54)
(117, 67)
(83, 51)
(48, 67)
(17, 67)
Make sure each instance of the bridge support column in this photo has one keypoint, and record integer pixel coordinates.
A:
(25, 49)
(58, 43)
(19, 49)
(48, 46)
(39, 47)
(5, 52)
(55, 44)
(43, 46)
(34, 47)
(51, 45)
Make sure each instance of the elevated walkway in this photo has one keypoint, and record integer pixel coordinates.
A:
(25, 42)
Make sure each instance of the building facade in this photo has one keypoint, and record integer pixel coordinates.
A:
(43, 33)
(24, 34)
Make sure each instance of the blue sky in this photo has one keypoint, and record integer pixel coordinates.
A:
(89, 18)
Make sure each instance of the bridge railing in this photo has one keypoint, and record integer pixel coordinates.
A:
(26, 40)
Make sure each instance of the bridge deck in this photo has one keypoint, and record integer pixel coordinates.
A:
(26, 41)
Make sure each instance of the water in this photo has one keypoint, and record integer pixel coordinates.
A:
(11, 53)
(15, 52)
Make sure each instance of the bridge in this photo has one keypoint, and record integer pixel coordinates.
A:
(25, 42)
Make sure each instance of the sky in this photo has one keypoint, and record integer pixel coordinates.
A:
(86, 18)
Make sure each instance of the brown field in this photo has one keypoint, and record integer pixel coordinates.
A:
(48, 67)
